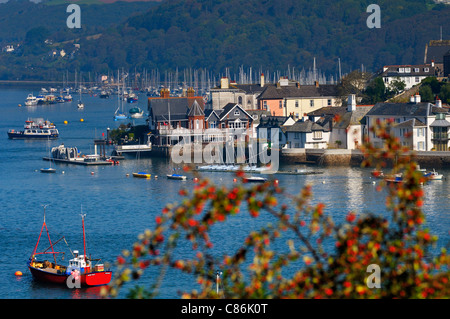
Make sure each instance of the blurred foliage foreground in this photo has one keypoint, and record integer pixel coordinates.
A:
(398, 246)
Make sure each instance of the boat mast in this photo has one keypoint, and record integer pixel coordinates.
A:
(84, 237)
(48, 235)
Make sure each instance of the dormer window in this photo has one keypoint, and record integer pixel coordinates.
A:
(401, 70)
(426, 69)
(407, 70)
(416, 70)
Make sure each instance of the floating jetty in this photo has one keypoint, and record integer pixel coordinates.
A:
(80, 161)
(70, 155)
(253, 169)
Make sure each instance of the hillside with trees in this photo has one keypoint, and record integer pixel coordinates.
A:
(264, 34)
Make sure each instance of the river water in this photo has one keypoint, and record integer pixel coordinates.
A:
(118, 208)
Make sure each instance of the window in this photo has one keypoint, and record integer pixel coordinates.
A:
(240, 100)
(296, 103)
(401, 70)
(311, 103)
(212, 124)
(329, 102)
(280, 104)
(236, 113)
(426, 69)
(407, 70)
(417, 79)
(317, 134)
(255, 116)
(296, 116)
(265, 105)
(420, 132)
(416, 70)
(421, 146)
(296, 136)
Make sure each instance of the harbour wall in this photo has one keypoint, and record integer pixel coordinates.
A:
(320, 157)
(337, 157)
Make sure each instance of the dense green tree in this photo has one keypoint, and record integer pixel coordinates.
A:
(375, 92)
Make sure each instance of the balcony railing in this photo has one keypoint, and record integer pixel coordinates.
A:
(440, 136)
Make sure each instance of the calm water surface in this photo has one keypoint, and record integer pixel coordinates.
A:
(119, 208)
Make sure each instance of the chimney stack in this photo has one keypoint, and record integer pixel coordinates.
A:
(316, 83)
(438, 102)
(165, 93)
(262, 79)
(224, 83)
(417, 98)
(411, 99)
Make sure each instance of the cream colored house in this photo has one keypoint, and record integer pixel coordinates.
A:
(291, 98)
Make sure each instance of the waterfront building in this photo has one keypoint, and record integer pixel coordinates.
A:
(184, 119)
(329, 127)
(270, 123)
(411, 75)
(435, 51)
(230, 92)
(420, 126)
(290, 97)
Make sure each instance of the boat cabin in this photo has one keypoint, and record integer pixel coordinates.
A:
(78, 263)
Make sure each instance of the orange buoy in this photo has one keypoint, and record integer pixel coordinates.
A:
(18, 273)
(234, 180)
(92, 173)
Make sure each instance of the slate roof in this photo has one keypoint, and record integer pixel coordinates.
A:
(228, 107)
(196, 110)
(410, 123)
(392, 70)
(435, 50)
(246, 88)
(304, 127)
(259, 113)
(346, 118)
(441, 123)
(273, 91)
(179, 108)
(272, 121)
(401, 109)
(161, 108)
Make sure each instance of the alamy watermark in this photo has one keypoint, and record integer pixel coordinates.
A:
(374, 20)
(74, 19)
(227, 147)
(374, 280)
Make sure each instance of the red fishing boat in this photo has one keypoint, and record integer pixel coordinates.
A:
(80, 271)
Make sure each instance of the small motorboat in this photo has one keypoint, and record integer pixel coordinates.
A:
(433, 175)
(255, 179)
(177, 177)
(48, 170)
(397, 178)
(377, 173)
(142, 175)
